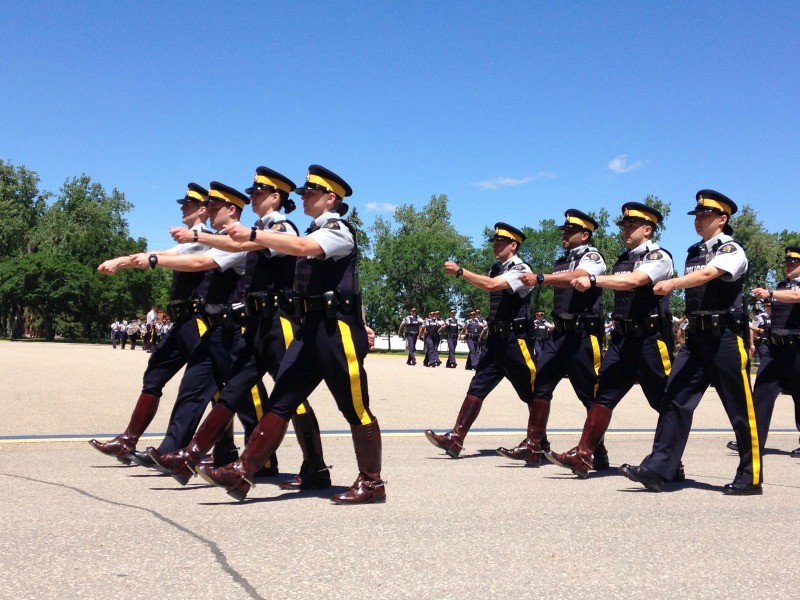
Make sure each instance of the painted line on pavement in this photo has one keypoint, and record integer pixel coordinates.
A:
(84, 437)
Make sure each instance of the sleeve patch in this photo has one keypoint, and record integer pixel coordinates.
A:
(655, 255)
(519, 267)
(594, 257)
(728, 248)
(278, 227)
(332, 225)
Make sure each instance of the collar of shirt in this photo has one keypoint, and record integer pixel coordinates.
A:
(576, 250)
(324, 217)
(719, 237)
(514, 260)
(273, 217)
(646, 247)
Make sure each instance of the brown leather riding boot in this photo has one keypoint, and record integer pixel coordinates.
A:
(120, 446)
(580, 460)
(180, 464)
(452, 441)
(530, 449)
(237, 477)
(314, 473)
(368, 487)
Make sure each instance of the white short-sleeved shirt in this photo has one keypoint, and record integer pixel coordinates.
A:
(228, 260)
(275, 222)
(728, 256)
(191, 247)
(653, 261)
(590, 261)
(511, 271)
(334, 237)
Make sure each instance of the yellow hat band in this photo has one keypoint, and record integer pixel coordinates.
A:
(327, 184)
(793, 255)
(276, 183)
(709, 203)
(578, 221)
(225, 197)
(640, 214)
(508, 234)
(195, 195)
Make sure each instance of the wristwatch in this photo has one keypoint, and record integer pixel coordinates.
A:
(195, 238)
(460, 272)
(153, 260)
(540, 279)
(592, 280)
(253, 233)
(771, 292)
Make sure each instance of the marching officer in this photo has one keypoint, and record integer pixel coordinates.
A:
(779, 369)
(450, 329)
(269, 329)
(574, 348)
(508, 352)
(715, 352)
(330, 346)
(173, 353)
(760, 327)
(430, 333)
(472, 334)
(223, 314)
(409, 328)
(541, 331)
(641, 346)
(484, 331)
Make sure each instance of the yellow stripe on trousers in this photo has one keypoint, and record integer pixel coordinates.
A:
(597, 358)
(755, 447)
(355, 373)
(288, 338)
(664, 352)
(526, 354)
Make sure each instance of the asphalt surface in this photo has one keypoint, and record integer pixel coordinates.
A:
(77, 524)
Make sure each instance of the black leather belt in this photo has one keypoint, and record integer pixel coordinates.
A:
(328, 304)
(588, 322)
(182, 310)
(262, 304)
(637, 327)
(714, 323)
(228, 315)
(791, 339)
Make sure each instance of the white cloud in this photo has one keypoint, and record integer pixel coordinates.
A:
(501, 182)
(619, 164)
(380, 207)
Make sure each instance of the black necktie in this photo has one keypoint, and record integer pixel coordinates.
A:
(313, 227)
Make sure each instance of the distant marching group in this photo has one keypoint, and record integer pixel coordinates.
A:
(154, 327)
(472, 331)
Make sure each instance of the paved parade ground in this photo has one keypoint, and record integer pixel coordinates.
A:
(77, 524)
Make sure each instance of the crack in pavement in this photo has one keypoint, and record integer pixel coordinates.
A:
(237, 577)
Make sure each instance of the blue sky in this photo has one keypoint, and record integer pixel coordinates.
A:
(515, 110)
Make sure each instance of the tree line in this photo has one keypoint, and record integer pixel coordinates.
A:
(51, 244)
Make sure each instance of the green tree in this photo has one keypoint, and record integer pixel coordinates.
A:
(406, 266)
(763, 250)
(21, 207)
